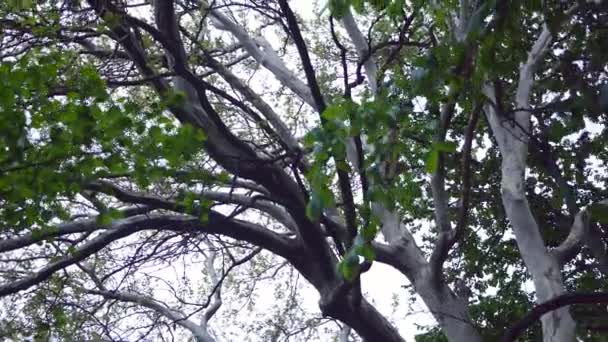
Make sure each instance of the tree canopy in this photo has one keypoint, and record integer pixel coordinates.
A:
(163, 160)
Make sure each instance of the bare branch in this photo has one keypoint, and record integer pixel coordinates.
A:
(217, 224)
(363, 50)
(263, 53)
(200, 333)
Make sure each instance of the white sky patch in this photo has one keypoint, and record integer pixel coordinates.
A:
(419, 103)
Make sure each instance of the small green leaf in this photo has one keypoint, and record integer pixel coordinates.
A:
(60, 317)
(106, 218)
(351, 259)
(72, 250)
(333, 112)
(358, 5)
(204, 216)
(338, 8)
(111, 20)
(37, 234)
(314, 207)
(346, 271)
(369, 232)
(315, 135)
(349, 267)
(432, 160)
(19, 4)
(367, 251)
(445, 146)
(205, 210)
(599, 212)
(343, 166)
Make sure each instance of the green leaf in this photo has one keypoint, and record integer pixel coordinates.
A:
(351, 259)
(106, 218)
(358, 6)
(111, 20)
(19, 4)
(395, 8)
(188, 202)
(315, 135)
(338, 8)
(204, 216)
(205, 210)
(432, 160)
(37, 234)
(59, 317)
(367, 251)
(314, 207)
(599, 212)
(369, 232)
(343, 166)
(349, 266)
(327, 197)
(334, 112)
(346, 271)
(72, 250)
(445, 146)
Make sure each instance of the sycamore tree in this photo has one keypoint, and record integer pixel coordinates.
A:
(160, 160)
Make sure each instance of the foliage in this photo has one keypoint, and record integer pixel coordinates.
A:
(112, 171)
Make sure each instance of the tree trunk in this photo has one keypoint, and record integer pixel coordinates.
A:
(366, 321)
(558, 325)
(449, 310)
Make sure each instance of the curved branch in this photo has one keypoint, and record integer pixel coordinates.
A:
(215, 292)
(199, 332)
(92, 246)
(583, 232)
(217, 224)
(89, 225)
(447, 239)
(558, 302)
(256, 202)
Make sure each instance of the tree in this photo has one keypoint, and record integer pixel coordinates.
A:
(461, 143)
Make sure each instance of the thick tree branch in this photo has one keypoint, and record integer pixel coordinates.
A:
(258, 202)
(89, 225)
(287, 139)
(439, 194)
(551, 305)
(90, 247)
(294, 30)
(217, 224)
(583, 232)
(512, 138)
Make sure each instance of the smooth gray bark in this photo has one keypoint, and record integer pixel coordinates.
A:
(512, 138)
(449, 310)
